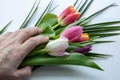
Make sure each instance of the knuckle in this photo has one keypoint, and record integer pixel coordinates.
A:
(36, 29)
(32, 40)
(28, 32)
(14, 51)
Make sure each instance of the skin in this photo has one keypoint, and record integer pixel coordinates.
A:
(14, 46)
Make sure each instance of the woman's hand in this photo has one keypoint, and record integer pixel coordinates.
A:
(14, 46)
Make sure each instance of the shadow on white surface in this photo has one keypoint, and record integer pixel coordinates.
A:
(61, 72)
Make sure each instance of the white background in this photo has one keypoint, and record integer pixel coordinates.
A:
(16, 10)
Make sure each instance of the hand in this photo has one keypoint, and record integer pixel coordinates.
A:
(14, 46)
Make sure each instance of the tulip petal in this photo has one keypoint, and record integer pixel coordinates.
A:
(84, 37)
(67, 11)
(73, 34)
(57, 47)
(69, 19)
(84, 50)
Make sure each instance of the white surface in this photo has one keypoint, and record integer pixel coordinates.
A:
(16, 10)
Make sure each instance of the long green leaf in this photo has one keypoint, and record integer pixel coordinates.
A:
(50, 5)
(53, 9)
(75, 3)
(101, 27)
(73, 59)
(102, 30)
(86, 8)
(81, 44)
(99, 42)
(44, 13)
(103, 24)
(82, 7)
(98, 12)
(92, 55)
(104, 34)
(76, 23)
(30, 15)
(5, 27)
(78, 7)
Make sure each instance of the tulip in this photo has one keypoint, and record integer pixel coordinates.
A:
(84, 50)
(73, 34)
(68, 16)
(84, 37)
(57, 47)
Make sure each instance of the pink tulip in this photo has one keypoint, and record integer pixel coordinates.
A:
(68, 16)
(73, 34)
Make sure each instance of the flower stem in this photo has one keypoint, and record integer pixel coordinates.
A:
(42, 51)
(55, 26)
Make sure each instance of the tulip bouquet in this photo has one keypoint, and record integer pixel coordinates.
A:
(71, 35)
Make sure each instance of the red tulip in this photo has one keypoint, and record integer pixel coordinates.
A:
(73, 34)
(68, 16)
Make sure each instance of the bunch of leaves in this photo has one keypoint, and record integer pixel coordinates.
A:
(47, 21)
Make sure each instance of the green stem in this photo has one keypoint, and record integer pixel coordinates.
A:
(55, 26)
(42, 51)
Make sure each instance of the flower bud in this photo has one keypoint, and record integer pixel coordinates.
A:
(73, 34)
(68, 16)
(57, 47)
(84, 37)
(84, 50)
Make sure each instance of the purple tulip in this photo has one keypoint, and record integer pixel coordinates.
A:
(84, 50)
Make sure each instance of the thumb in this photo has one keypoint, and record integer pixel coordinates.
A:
(24, 73)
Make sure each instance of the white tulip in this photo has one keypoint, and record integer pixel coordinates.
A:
(57, 47)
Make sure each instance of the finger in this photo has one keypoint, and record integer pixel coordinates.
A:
(15, 34)
(32, 43)
(18, 53)
(27, 33)
(4, 37)
(24, 73)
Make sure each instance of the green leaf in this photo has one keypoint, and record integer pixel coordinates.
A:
(82, 44)
(98, 12)
(101, 27)
(78, 7)
(73, 59)
(30, 15)
(48, 20)
(53, 8)
(48, 31)
(104, 34)
(102, 30)
(76, 22)
(58, 31)
(5, 27)
(46, 11)
(92, 55)
(99, 42)
(81, 8)
(103, 24)
(75, 2)
(86, 8)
